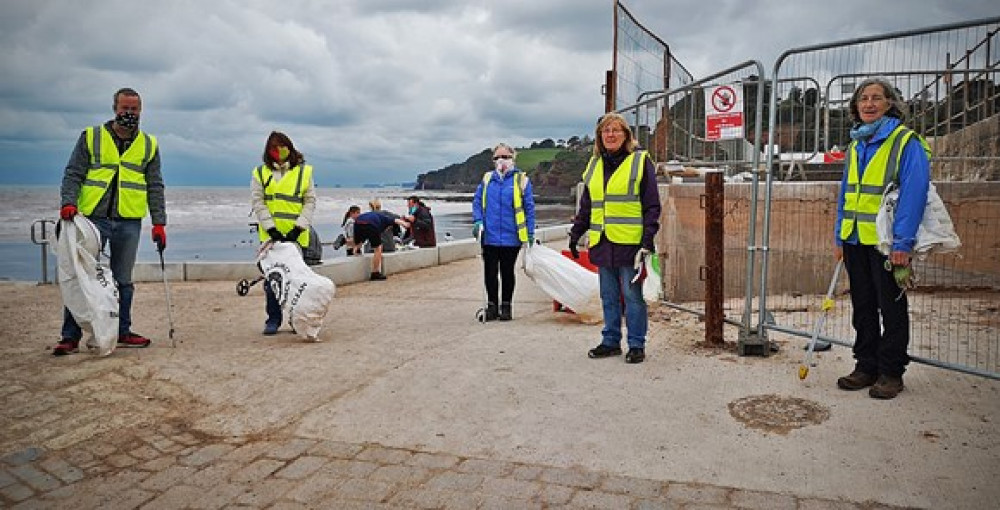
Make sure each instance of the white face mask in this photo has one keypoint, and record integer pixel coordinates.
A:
(502, 165)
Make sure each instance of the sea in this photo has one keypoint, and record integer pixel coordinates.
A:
(215, 223)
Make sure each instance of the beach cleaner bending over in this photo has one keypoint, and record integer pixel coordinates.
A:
(369, 227)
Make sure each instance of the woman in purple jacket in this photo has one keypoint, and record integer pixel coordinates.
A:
(620, 213)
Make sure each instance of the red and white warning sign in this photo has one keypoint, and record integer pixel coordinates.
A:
(724, 112)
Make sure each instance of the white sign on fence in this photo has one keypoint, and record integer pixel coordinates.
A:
(724, 112)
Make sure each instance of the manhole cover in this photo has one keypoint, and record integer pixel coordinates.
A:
(773, 413)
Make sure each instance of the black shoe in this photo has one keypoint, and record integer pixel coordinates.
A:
(505, 312)
(635, 355)
(270, 329)
(491, 312)
(603, 351)
(377, 277)
(857, 380)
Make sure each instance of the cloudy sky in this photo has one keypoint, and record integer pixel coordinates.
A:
(372, 91)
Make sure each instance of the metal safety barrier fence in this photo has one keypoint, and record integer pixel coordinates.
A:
(948, 77)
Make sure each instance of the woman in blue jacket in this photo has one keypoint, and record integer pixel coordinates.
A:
(503, 214)
(883, 150)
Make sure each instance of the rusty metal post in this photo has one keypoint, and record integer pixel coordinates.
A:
(609, 91)
(714, 255)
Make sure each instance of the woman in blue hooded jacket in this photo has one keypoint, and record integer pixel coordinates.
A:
(882, 151)
(503, 214)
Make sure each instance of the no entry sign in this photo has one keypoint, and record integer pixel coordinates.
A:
(724, 112)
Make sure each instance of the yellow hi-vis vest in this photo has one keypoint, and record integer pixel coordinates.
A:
(863, 199)
(519, 184)
(105, 162)
(284, 199)
(615, 211)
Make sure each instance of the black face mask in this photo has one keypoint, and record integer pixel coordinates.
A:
(127, 120)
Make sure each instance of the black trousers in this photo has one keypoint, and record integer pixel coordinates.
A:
(881, 317)
(499, 259)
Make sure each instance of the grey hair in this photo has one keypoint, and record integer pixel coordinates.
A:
(897, 107)
(502, 145)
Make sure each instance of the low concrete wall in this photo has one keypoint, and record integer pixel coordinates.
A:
(341, 270)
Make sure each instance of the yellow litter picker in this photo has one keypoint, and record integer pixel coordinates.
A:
(828, 303)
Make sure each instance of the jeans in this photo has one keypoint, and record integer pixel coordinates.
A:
(123, 237)
(273, 307)
(615, 283)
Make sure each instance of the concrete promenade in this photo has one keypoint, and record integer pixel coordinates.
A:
(408, 402)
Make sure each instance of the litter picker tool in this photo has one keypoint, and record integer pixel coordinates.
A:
(828, 303)
(166, 290)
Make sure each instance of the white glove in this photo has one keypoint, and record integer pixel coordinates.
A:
(640, 258)
(640, 262)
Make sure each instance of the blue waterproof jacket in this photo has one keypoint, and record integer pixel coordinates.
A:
(913, 178)
(499, 224)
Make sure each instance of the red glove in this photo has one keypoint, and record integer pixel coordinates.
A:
(67, 212)
(160, 237)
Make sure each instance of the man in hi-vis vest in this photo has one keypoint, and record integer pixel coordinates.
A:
(620, 214)
(113, 178)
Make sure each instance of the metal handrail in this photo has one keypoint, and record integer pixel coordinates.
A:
(43, 240)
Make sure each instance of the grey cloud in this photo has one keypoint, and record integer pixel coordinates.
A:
(368, 87)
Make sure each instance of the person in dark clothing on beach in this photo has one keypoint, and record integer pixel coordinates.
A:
(369, 227)
(421, 223)
(620, 207)
(389, 234)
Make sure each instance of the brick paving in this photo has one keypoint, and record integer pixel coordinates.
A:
(171, 468)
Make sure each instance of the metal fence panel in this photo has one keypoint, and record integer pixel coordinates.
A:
(948, 76)
(671, 124)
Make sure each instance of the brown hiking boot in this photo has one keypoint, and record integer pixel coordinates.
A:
(886, 387)
(856, 381)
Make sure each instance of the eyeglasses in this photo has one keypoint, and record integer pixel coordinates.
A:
(503, 156)
(872, 99)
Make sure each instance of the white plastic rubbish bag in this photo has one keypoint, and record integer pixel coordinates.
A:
(86, 284)
(304, 296)
(564, 280)
(936, 233)
(652, 285)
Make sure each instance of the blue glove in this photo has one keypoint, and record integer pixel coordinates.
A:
(573, 249)
(477, 229)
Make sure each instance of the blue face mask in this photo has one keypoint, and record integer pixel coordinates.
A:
(413, 209)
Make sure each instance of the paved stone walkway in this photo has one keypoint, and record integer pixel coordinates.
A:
(169, 468)
(230, 419)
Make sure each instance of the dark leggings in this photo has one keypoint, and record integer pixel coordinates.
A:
(880, 313)
(499, 259)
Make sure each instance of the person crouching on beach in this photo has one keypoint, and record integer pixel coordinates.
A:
(283, 198)
(369, 227)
